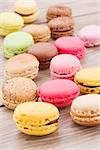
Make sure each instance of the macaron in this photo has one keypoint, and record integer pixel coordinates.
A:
(61, 26)
(60, 92)
(85, 110)
(64, 66)
(10, 22)
(44, 52)
(18, 90)
(71, 45)
(39, 32)
(58, 11)
(88, 80)
(22, 65)
(28, 9)
(90, 35)
(36, 118)
(16, 43)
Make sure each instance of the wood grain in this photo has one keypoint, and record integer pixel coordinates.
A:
(69, 136)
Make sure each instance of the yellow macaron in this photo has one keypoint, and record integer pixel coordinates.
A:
(36, 118)
(10, 22)
(88, 80)
(28, 9)
(85, 110)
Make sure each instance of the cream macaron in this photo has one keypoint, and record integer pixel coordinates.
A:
(85, 110)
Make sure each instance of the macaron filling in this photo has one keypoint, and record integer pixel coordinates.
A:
(69, 74)
(52, 122)
(43, 61)
(47, 124)
(88, 86)
(24, 14)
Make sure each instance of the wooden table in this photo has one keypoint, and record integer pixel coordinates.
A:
(69, 136)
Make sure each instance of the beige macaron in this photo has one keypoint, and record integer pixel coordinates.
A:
(85, 110)
(28, 9)
(22, 65)
(39, 32)
(18, 90)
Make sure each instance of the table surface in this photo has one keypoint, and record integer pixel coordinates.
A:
(69, 136)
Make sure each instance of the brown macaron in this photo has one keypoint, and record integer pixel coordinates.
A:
(61, 26)
(39, 32)
(18, 90)
(44, 52)
(58, 11)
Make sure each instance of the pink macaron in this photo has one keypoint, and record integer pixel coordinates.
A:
(71, 45)
(58, 92)
(90, 35)
(64, 66)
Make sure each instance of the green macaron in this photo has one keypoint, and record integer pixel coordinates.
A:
(16, 43)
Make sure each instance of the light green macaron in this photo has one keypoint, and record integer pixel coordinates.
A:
(16, 43)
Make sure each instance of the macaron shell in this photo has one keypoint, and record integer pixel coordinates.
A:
(6, 20)
(88, 76)
(86, 121)
(5, 31)
(58, 11)
(25, 7)
(38, 131)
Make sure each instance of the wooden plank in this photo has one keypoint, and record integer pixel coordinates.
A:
(68, 137)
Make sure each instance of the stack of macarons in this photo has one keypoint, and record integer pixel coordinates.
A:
(60, 21)
(29, 50)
